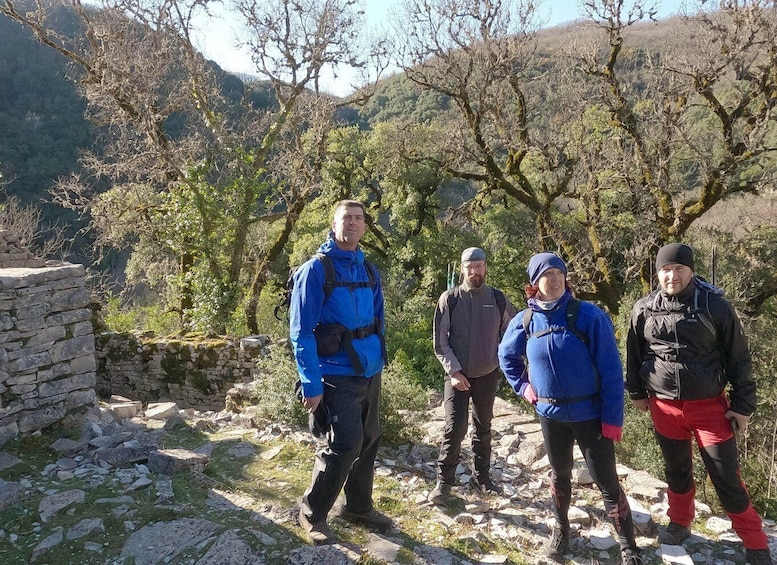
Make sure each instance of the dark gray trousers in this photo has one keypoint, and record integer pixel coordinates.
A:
(482, 392)
(347, 462)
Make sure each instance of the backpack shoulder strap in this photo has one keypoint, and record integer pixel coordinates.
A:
(527, 314)
(571, 318)
(453, 299)
(501, 302)
(704, 314)
(372, 272)
(572, 310)
(329, 273)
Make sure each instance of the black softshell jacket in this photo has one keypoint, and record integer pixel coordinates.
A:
(688, 347)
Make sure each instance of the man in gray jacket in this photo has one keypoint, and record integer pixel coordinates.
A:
(469, 322)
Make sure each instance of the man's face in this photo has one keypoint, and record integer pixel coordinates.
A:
(674, 277)
(474, 273)
(552, 284)
(349, 227)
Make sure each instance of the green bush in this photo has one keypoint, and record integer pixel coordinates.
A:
(401, 399)
(273, 397)
(146, 318)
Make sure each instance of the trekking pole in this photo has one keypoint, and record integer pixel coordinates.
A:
(451, 282)
(714, 266)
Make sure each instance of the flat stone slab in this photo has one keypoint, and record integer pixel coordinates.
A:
(50, 506)
(160, 542)
(7, 461)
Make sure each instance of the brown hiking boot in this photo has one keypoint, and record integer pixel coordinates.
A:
(372, 518)
(318, 533)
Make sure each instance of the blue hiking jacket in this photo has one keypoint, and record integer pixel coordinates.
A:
(353, 308)
(561, 366)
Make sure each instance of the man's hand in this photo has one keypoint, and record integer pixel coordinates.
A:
(311, 404)
(643, 404)
(459, 381)
(738, 421)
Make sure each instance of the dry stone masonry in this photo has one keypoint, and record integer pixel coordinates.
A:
(194, 373)
(14, 256)
(47, 363)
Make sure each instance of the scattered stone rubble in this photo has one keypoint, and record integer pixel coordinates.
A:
(120, 448)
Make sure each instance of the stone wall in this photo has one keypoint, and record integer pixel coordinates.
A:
(51, 364)
(14, 256)
(47, 362)
(193, 373)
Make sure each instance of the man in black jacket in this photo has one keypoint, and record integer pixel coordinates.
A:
(687, 363)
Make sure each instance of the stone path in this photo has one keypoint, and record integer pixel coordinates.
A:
(120, 452)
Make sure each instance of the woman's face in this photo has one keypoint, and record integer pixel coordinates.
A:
(552, 284)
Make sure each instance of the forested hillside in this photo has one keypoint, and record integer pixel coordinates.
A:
(42, 122)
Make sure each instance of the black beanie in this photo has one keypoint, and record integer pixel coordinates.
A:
(675, 253)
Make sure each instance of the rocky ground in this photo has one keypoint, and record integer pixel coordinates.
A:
(123, 491)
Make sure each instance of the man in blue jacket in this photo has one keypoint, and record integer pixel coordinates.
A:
(337, 339)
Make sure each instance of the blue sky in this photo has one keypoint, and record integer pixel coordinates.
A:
(217, 38)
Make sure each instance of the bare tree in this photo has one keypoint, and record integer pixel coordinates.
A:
(25, 222)
(614, 148)
(190, 167)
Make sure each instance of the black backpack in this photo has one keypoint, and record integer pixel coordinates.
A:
(330, 282)
(572, 309)
(453, 299)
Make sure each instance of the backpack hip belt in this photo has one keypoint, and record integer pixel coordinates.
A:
(364, 331)
(558, 401)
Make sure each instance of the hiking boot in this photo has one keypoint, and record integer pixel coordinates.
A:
(486, 486)
(318, 533)
(674, 534)
(372, 518)
(758, 557)
(439, 493)
(631, 556)
(558, 544)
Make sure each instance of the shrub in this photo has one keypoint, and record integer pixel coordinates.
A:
(401, 398)
(273, 397)
(146, 318)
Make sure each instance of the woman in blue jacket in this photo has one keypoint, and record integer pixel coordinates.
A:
(575, 382)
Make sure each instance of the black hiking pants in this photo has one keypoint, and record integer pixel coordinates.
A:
(599, 454)
(347, 461)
